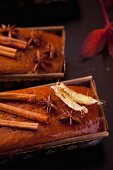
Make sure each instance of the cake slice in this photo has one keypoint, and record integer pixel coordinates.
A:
(31, 51)
(62, 126)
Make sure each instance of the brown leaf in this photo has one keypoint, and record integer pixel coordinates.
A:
(94, 43)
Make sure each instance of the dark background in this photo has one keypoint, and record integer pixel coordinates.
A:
(79, 18)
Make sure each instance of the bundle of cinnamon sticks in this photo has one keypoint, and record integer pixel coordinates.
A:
(8, 52)
(6, 44)
(43, 118)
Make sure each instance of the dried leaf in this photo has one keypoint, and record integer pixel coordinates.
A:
(97, 39)
(94, 43)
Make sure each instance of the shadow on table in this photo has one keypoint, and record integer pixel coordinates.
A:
(86, 158)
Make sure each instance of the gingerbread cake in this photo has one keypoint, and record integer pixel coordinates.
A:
(29, 51)
(56, 118)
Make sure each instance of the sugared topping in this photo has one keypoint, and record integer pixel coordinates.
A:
(79, 98)
(72, 98)
(68, 100)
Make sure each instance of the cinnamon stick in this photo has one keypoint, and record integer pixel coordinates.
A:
(20, 125)
(8, 52)
(17, 96)
(11, 50)
(24, 113)
(13, 42)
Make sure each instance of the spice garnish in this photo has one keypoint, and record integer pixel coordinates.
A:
(52, 51)
(70, 117)
(33, 40)
(68, 100)
(24, 113)
(78, 97)
(12, 42)
(7, 51)
(8, 30)
(18, 124)
(41, 61)
(48, 104)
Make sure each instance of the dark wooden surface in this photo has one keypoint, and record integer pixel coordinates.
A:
(101, 68)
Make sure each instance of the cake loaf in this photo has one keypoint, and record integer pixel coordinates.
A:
(28, 51)
(56, 119)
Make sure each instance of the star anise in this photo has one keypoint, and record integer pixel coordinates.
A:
(70, 117)
(49, 104)
(33, 40)
(52, 51)
(8, 30)
(41, 60)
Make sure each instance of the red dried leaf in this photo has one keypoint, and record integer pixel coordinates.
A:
(94, 43)
(97, 39)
